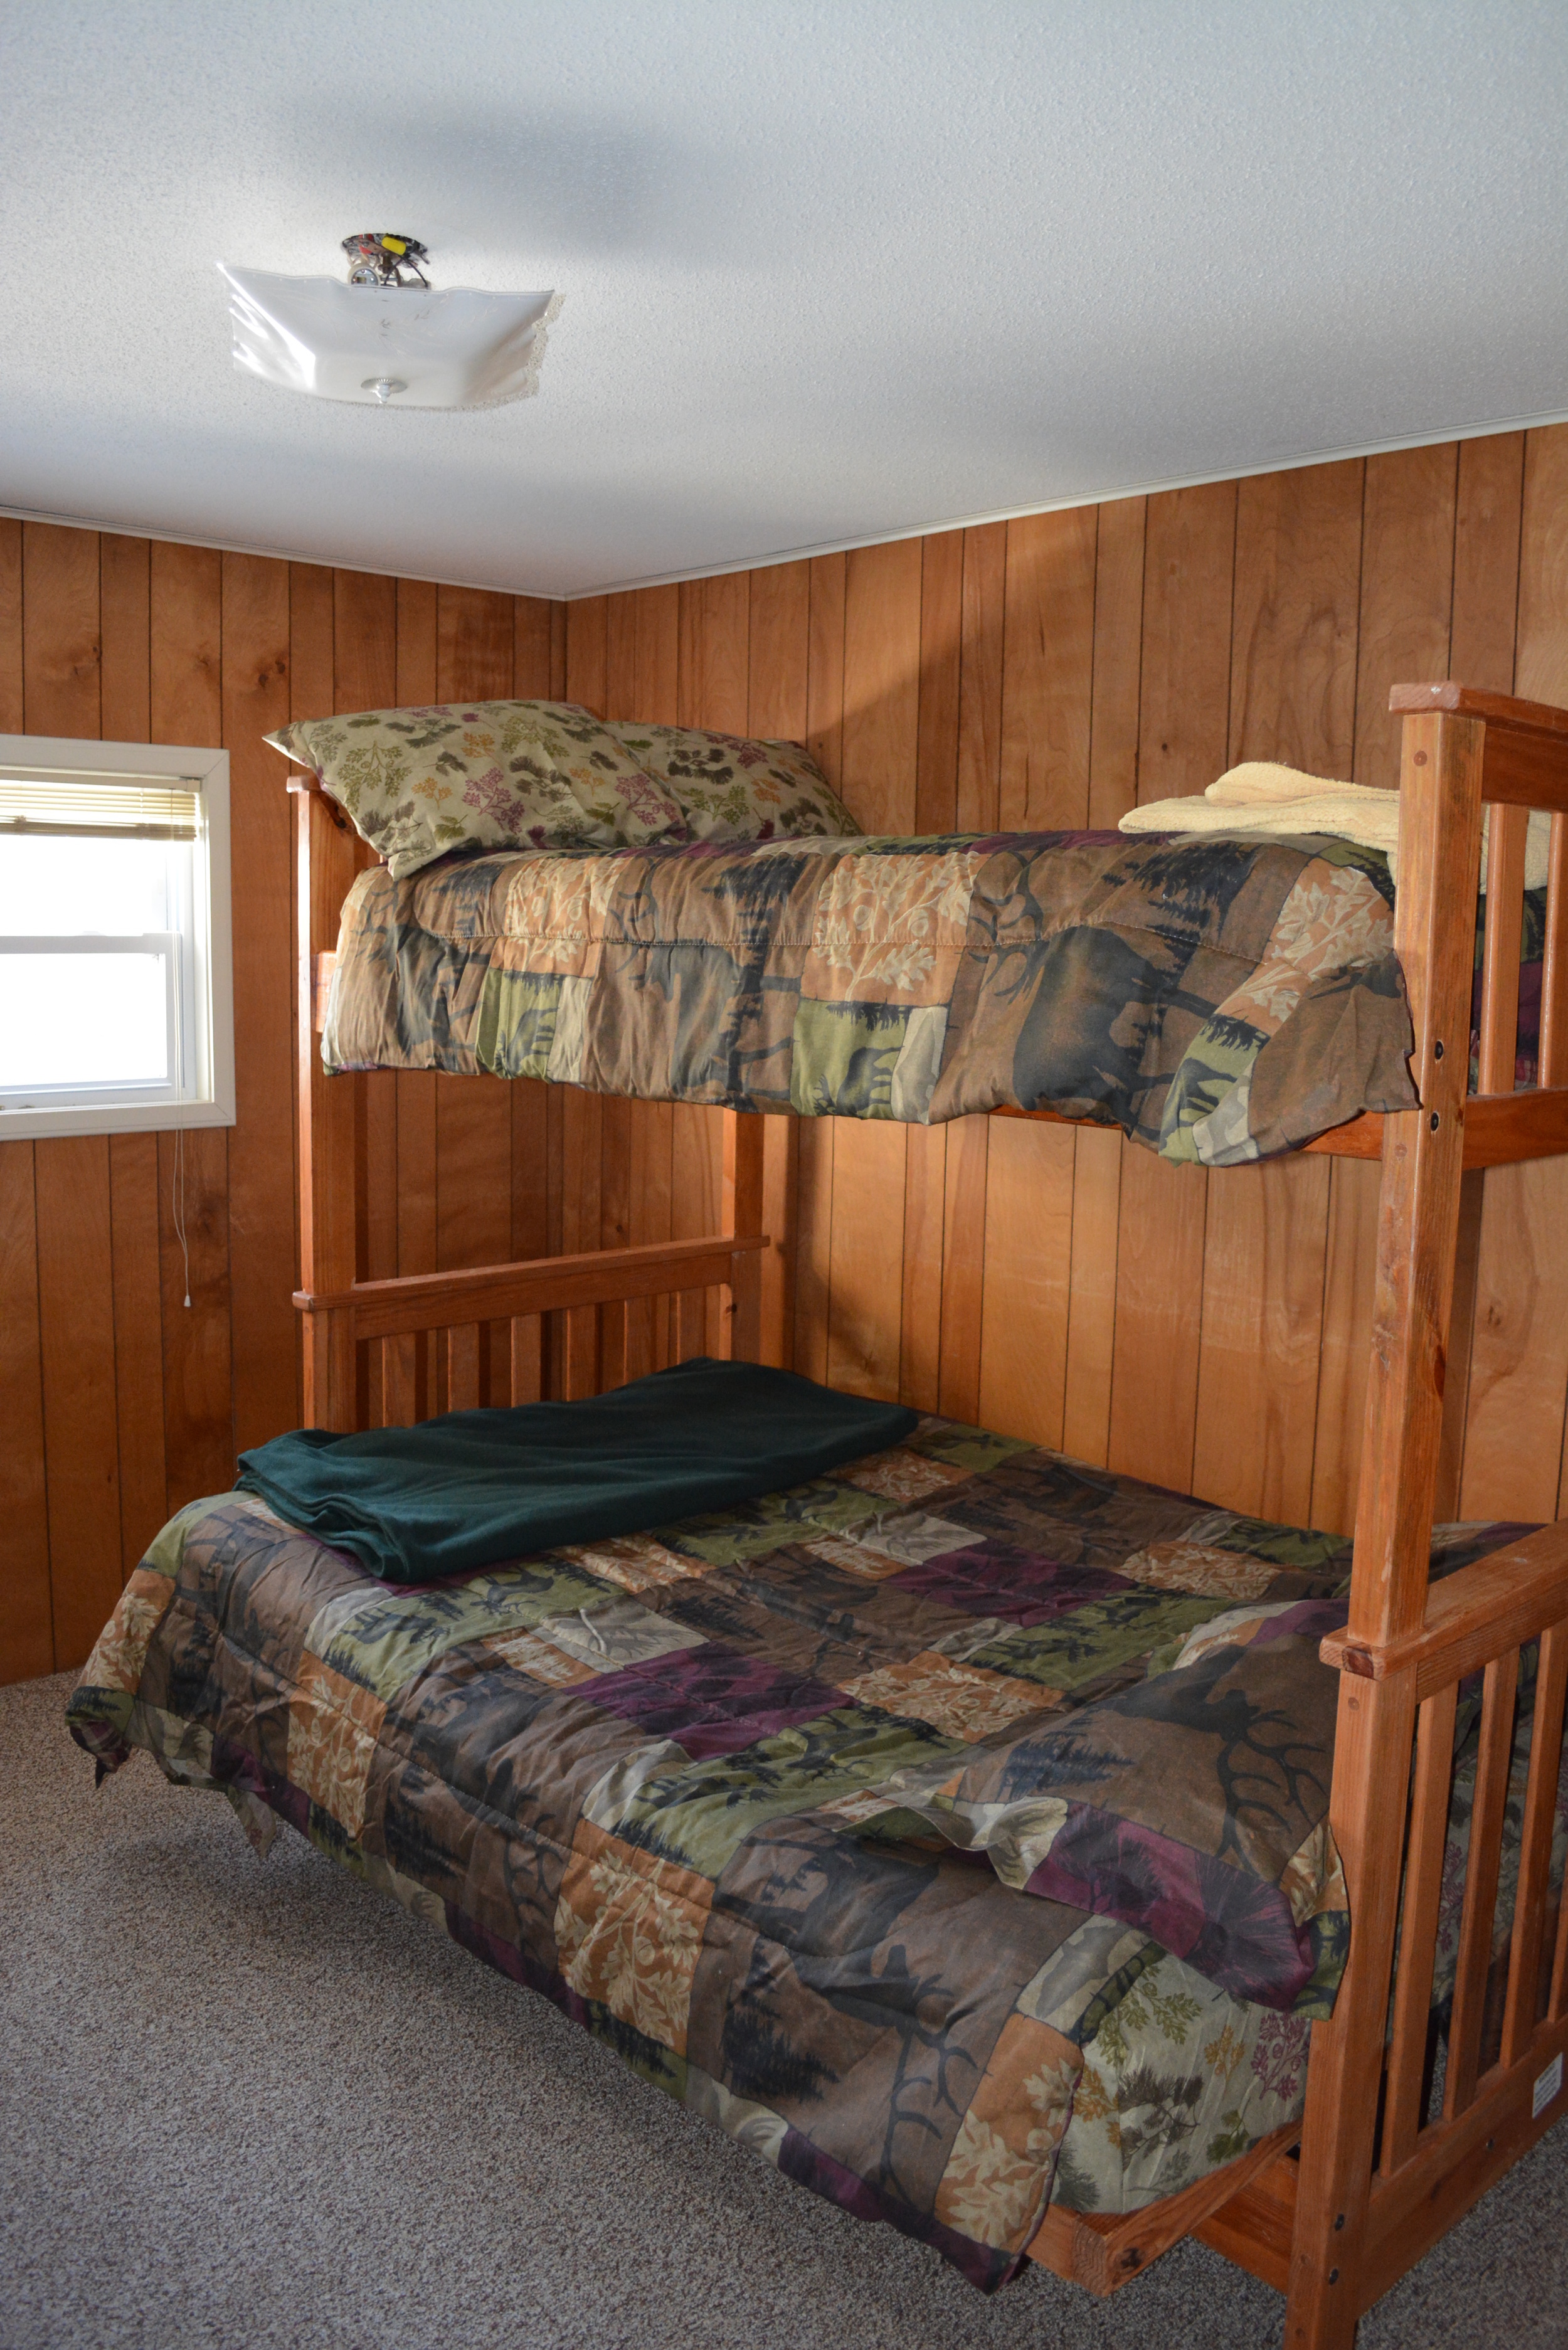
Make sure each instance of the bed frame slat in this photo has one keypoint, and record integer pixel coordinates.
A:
(399, 1373)
(1554, 972)
(1523, 2008)
(612, 1344)
(1418, 1926)
(462, 1366)
(527, 1359)
(1506, 830)
(582, 1352)
(1480, 1884)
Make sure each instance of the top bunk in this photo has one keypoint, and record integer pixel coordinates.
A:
(1221, 996)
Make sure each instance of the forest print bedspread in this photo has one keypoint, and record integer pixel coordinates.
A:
(863, 1817)
(1218, 999)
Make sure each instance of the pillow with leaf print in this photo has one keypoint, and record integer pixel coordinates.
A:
(732, 789)
(481, 774)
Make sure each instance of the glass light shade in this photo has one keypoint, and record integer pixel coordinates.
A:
(395, 345)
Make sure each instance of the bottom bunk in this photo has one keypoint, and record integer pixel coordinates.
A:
(950, 1826)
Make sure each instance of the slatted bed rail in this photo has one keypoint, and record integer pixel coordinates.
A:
(1456, 2107)
(388, 1353)
(1500, 2081)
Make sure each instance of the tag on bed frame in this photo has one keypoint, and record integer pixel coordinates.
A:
(1547, 2087)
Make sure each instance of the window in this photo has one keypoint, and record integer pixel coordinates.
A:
(115, 1003)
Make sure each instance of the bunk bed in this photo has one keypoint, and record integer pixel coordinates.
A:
(1332, 2208)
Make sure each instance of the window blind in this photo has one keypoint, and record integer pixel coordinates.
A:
(81, 800)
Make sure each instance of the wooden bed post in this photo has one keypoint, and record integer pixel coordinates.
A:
(328, 1122)
(1418, 1227)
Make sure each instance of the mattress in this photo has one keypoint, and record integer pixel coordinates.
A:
(1220, 1000)
(950, 1829)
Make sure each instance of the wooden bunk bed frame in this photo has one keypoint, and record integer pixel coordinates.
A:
(1333, 2210)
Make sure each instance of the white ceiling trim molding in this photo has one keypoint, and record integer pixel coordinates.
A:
(827, 546)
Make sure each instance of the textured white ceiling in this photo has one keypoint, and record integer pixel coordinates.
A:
(829, 272)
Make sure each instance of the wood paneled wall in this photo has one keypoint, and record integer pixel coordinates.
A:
(120, 1404)
(1208, 1330)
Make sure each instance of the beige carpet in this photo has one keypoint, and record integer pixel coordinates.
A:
(252, 2103)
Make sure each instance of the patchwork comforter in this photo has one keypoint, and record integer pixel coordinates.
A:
(1218, 999)
(879, 1820)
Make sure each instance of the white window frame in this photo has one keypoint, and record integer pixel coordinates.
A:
(204, 1094)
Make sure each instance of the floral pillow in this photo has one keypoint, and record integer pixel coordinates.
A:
(731, 789)
(483, 775)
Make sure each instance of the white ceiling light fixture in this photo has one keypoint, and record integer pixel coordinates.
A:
(387, 338)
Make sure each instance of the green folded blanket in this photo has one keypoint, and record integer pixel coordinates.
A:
(475, 1488)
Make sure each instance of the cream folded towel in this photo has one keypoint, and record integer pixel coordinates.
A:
(1260, 797)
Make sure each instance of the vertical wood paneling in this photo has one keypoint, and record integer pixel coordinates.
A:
(825, 674)
(656, 675)
(1350, 1265)
(1292, 662)
(1159, 1294)
(882, 685)
(60, 644)
(1047, 670)
(921, 1313)
(1028, 1259)
(1486, 561)
(981, 647)
(941, 636)
(1519, 1371)
(1406, 594)
(198, 1411)
(587, 652)
(139, 1339)
(81, 1436)
(813, 1244)
(714, 652)
(1184, 677)
(146, 1399)
(781, 1186)
(621, 658)
(866, 1258)
(779, 638)
(1263, 1313)
(532, 634)
(255, 689)
(964, 1266)
(1119, 661)
(364, 640)
(11, 718)
(27, 1616)
(125, 576)
(1092, 1326)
